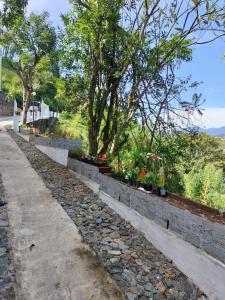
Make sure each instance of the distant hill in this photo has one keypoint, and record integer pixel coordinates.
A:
(214, 131)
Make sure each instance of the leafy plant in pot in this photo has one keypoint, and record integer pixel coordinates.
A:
(154, 162)
(132, 175)
(161, 183)
(148, 181)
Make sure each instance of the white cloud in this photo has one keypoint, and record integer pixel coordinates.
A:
(213, 117)
(210, 118)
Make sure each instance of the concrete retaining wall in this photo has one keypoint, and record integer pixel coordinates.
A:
(56, 142)
(57, 154)
(198, 231)
(84, 169)
(56, 149)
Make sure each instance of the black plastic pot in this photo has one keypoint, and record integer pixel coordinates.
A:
(148, 188)
(132, 182)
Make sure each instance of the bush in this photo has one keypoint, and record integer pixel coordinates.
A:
(72, 126)
(205, 185)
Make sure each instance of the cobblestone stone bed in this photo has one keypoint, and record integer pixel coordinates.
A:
(140, 270)
(7, 278)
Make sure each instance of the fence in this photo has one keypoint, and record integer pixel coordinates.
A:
(40, 113)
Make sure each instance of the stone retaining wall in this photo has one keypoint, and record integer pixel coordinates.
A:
(199, 231)
(6, 106)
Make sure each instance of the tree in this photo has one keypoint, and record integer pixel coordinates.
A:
(31, 48)
(11, 82)
(12, 10)
(121, 55)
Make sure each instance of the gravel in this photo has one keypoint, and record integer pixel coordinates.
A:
(7, 278)
(139, 269)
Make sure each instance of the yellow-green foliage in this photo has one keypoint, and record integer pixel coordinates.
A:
(161, 177)
(205, 185)
(72, 126)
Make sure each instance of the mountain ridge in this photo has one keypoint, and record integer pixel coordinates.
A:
(213, 131)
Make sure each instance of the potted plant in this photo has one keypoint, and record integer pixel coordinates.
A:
(102, 161)
(132, 175)
(18, 111)
(142, 179)
(161, 182)
(149, 181)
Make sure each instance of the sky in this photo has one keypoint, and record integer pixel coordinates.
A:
(54, 7)
(207, 66)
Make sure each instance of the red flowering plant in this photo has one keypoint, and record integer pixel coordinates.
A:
(102, 158)
(145, 178)
(142, 174)
(148, 176)
(102, 161)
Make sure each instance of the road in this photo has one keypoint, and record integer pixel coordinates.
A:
(6, 122)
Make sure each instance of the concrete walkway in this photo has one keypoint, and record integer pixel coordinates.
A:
(51, 260)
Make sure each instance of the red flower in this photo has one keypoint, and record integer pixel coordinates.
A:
(102, 157)
(143, 172)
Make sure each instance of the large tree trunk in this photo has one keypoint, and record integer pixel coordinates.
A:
(26, 98)
(93, 141)
(108, 132)
(92, 134)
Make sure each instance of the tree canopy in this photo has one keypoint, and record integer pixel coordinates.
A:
(121, 57)
(30, 51)
(12, 10)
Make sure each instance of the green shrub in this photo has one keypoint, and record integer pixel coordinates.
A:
(205, 185)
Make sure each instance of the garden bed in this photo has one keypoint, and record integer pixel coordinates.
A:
(212, 214)
(201, 226)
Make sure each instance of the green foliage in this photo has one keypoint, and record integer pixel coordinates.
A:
(162, 179)
(181, 151)
(149, 178)
(191, 165)
(30, 52)
(114, 53)
(11, 83)
(12, 10)
(72, 126)
(205, 185)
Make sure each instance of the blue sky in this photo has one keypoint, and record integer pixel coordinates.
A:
(208, 66)
(54, 7)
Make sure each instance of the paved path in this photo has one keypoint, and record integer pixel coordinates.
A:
(51, 261)
(6, 121)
